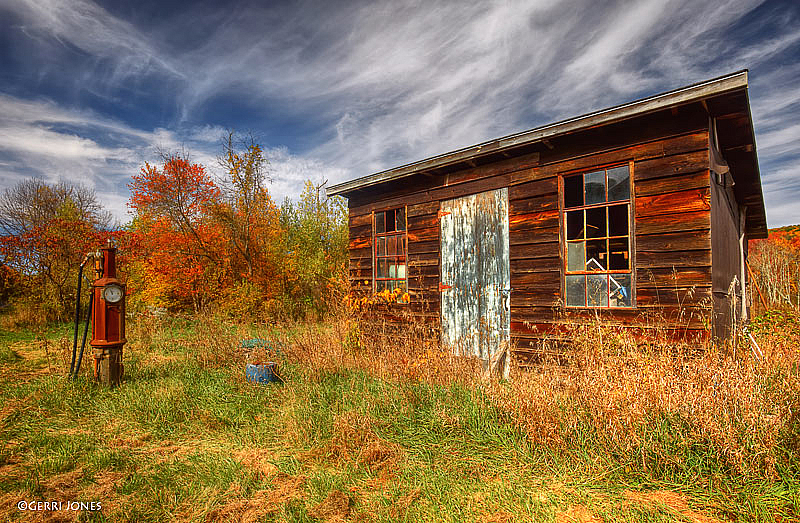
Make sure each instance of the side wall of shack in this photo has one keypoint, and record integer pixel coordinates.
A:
(671, 231)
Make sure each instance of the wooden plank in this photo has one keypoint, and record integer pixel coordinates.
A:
(638, 152)
(682, 296)
(423, 235)
(415, 271)
(674, 241)
(425, 297)
(534, 313)
(509, 165)
(632, 133)
(539, 187)
(417, 260)
(365, 252)
(691, 200)
(671, 277)
(361, 231)
(422, 221)
(423, 247)
(534, 205)
(472, 187)
(676, 164)
(422, 208)
(545, 298)
(549, 250)
(424, 283)
(534, 281)
(359, 243)
(424, 309)
(695, 180)
(540, 323)
(541, 264)
(673, 222)
(538, 220)
(356, 220)
(438, 193)
(650, 260)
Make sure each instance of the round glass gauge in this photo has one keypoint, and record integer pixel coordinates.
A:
(112, 293)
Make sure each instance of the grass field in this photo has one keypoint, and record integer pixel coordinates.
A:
(401, 433)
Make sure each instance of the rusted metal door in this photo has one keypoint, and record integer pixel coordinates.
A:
(475, 275)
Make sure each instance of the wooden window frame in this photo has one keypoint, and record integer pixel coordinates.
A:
(397, 257)
(563, 251)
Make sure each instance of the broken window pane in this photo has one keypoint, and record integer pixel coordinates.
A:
(382, 246)
(596, 222)
(574, 225)
(618, 220)
(380, 222)
(573, 191)
(619, 256)
(576, 291)
(620, 290)
(597, 290)
(576, 256)
(390, 221)
(596, 259)
(400, 219)
(619, 183)
(595, 187)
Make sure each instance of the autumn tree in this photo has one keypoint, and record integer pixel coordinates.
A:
(247, 211)
(181, 245)
(46, 231)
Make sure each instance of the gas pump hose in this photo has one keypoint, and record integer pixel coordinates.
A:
(75, 366)
(77, 313)
(85, 330)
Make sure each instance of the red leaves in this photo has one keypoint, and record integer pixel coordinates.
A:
(180, 190)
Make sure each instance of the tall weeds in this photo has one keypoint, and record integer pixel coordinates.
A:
(662, 407)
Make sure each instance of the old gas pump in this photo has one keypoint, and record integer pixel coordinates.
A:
(108, 318)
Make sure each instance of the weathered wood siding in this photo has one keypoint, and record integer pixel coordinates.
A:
(672, 239)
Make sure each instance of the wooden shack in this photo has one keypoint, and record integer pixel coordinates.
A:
(638, 215)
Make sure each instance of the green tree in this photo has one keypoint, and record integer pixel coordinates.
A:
(316, 246)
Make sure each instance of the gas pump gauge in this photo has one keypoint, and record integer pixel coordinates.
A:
(112, 293)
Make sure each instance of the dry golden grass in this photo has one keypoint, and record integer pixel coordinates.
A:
(621, 389)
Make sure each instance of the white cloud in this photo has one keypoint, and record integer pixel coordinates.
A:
(390, 83)
(95, 31)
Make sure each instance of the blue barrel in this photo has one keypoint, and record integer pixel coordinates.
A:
(262, 373)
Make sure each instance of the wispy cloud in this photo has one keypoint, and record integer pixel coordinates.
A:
(343, 90)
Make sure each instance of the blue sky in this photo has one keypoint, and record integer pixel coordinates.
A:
(337, 90)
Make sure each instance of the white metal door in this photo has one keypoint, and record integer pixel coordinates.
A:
(475, 267)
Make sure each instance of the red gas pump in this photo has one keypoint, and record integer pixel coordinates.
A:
(108, 318)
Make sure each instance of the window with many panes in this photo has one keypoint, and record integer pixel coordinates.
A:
(596, 218)
(390, 250)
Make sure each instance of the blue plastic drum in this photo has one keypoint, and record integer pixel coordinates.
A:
(262, 373)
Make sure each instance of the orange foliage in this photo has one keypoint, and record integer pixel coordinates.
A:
(181, 250)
